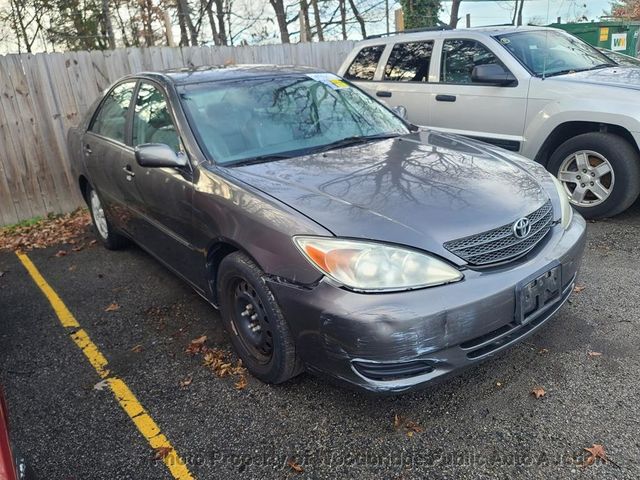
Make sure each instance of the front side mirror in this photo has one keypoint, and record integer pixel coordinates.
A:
(159, 155)
(401, 111)
(494, 74)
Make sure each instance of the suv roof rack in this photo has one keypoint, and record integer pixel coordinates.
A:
(439, 27)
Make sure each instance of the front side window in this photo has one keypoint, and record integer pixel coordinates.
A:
(111, 119)
(409, 62)
(151, 119)
(548, 53)
(364, 65)
(459, 57)
(287, 115)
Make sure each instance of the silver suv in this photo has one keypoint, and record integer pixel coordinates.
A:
(537, 91)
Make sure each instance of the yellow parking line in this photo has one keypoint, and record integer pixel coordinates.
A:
(125, 397)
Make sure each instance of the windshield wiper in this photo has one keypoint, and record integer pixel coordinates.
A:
(354, 140)
(258, 159)
(576, 70)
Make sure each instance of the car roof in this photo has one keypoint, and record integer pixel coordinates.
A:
(476, 32)
(214, 73)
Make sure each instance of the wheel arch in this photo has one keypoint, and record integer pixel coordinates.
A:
(84, 184)
(570, 129)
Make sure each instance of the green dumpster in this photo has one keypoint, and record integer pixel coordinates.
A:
(620, 36)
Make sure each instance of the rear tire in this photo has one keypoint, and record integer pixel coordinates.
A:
(600, 173)
(101, 225)
(251, 315)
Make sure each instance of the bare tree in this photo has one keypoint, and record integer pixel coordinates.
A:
(455, 11)
(281, 17)
(318, 20)
(359, 19)
(343, 18)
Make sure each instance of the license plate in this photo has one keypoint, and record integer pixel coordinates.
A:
(534, 295)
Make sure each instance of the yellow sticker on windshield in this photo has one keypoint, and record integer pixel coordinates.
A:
(339, 83)
(329, 79)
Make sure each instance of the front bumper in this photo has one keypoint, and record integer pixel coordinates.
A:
(395, 342)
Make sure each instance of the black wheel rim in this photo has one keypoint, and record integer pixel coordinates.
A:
(251, 321)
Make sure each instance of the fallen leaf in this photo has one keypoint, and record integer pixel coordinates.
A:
(498, 384)
(196, 345)
(538, 392)
(397, 421)
(72, 268)
(186, 382)
(407, 426)
(61, 253)
(579, 287)
(101, 385)
(161, 452)
(293, 465)
(594, 354)
(596, 452)
(543, 350)
(137, 349)
(92, 243)
(112, 308)
(241, 384)
(46, 232)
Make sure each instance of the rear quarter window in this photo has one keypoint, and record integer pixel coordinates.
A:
(364, 65)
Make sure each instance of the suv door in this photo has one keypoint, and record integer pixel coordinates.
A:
(103, 145)
(495, 114)
(165, 205)
(405, 79)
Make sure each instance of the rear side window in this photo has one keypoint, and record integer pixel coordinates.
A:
(409, 62)
(364, 65)
(111, 118)
(460, 56)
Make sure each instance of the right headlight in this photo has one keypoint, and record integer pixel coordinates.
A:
(565, 206)
(374, 267)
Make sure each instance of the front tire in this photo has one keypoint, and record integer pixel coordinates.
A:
(251, 315)
(600, 173)
(104, 231)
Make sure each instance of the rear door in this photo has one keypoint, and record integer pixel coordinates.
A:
(495, 114)
(103, 145)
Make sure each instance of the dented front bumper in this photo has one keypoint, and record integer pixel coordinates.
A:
(394, 342)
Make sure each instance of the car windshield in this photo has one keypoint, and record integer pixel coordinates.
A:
(547, 53)
(266, 118)
(621, 58)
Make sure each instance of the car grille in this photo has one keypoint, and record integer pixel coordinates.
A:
(500, 244)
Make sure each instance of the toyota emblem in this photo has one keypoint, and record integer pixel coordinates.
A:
(522, 228)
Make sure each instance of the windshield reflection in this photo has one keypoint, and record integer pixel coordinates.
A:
(270, 117)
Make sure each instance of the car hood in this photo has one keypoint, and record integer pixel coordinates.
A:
(420, 190)
(619, 76)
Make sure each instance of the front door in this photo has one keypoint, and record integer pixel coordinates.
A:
(495, 114)
(165, 194)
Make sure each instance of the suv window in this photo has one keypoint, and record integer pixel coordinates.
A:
(112, 116)
(151, 119)
(460, 56)
(364, 65)
(409, 62)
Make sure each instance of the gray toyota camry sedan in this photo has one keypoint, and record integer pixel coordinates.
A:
(332, 235)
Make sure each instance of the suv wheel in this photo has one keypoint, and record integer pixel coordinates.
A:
(600, 173)
(251, 315)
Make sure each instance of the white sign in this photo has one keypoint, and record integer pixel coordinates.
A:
(618, 41)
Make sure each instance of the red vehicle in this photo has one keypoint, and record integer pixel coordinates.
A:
(12, 467)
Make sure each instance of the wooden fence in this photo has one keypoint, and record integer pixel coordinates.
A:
(42, 95)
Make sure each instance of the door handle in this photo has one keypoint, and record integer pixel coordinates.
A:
(383, 93)
(87, 149)
(445, 98)
(130, 173)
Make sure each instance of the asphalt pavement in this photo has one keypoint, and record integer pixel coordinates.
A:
(484, 423)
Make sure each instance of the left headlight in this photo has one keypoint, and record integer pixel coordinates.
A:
(565, 206)
(369, 266)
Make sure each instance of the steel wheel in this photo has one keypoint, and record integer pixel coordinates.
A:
(99, 218)
(251, 322)
(588, 178)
